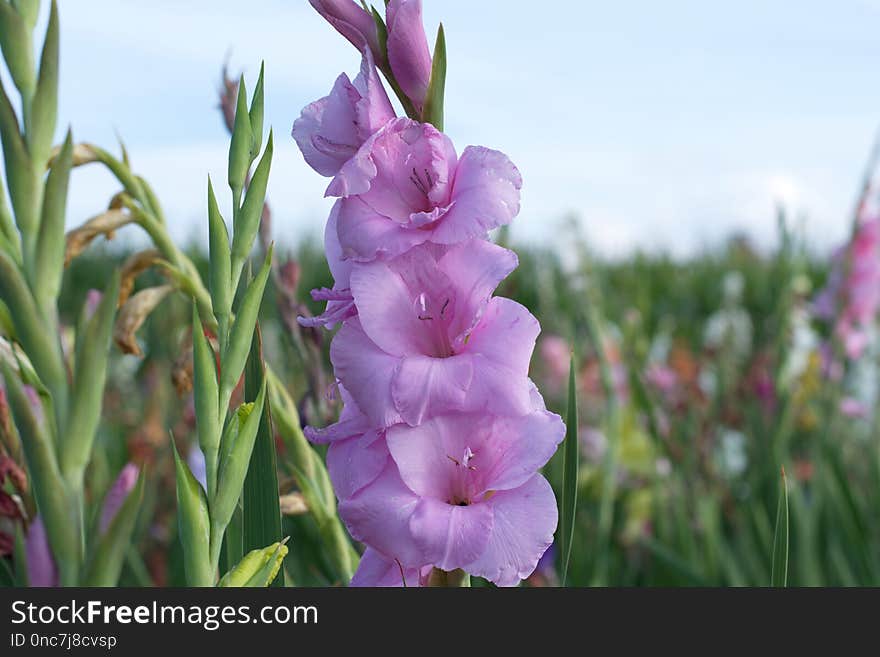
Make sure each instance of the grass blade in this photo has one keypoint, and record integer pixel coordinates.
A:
(779, 564)
(570, 476)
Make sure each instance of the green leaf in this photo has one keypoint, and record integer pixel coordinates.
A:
(92, 354)
(194, 525)
(779, 562)
(239, 346)
(40, 128)
(109, 556)
(240, 146)
(247, 221)
(18, 49)
(256, 115)
(233, 469)
(260, 502)
(49, 267)
(206, 395)
(570, 475)
(220, 273)
(433, 110)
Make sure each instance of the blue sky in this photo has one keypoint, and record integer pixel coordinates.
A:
(661, 125)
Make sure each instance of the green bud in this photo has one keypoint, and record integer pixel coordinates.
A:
(194, 525)
(256, 115)
(18, 49)
(206, 396)
(51, 242)
(240, 147)
(20, 178)
(242, 332)
(247, 222)
(29, 11)
(44, 110)
(258, 568)
(220, 264)
(92, 353)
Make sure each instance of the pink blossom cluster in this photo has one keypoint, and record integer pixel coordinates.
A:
(851, 298)
(435, 458)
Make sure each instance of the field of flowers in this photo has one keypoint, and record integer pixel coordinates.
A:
(183, 416)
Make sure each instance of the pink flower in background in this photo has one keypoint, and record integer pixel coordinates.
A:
(661, 377)
(852, 295)
(120, 489)
(41, 568)
(406, 186)
(852, 407)
(408, 54)
(429, 338)
(555, 355)
(331, 130)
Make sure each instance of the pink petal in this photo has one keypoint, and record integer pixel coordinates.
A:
(429, 456)
(386, 306)
(374, 109)
(365, 235)
(505, 452)
(376, 570)
(356, 462)
(424, 386)
(524, 522)
(485, 195)
(475, 268)
(451, 536)
(326, 131)
(502, 347)
(366, 371)
(379, 515)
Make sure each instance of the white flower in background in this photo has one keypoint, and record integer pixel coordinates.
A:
(804, 341)
(730, 452)
(730, 328)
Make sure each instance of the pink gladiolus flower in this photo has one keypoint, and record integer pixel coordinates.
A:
(353, 22)
(852, 295)
(41, 568)
(461, 491)
(120, 489)
(408, 54)
(436, 455)
(434, 337)
(406, 186)
(331, 130)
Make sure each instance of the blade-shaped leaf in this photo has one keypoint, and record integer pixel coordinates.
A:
(570, 475)
(779, 563)
(260, 501)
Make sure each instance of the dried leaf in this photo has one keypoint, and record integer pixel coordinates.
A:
(105, 224)
(132, 315)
